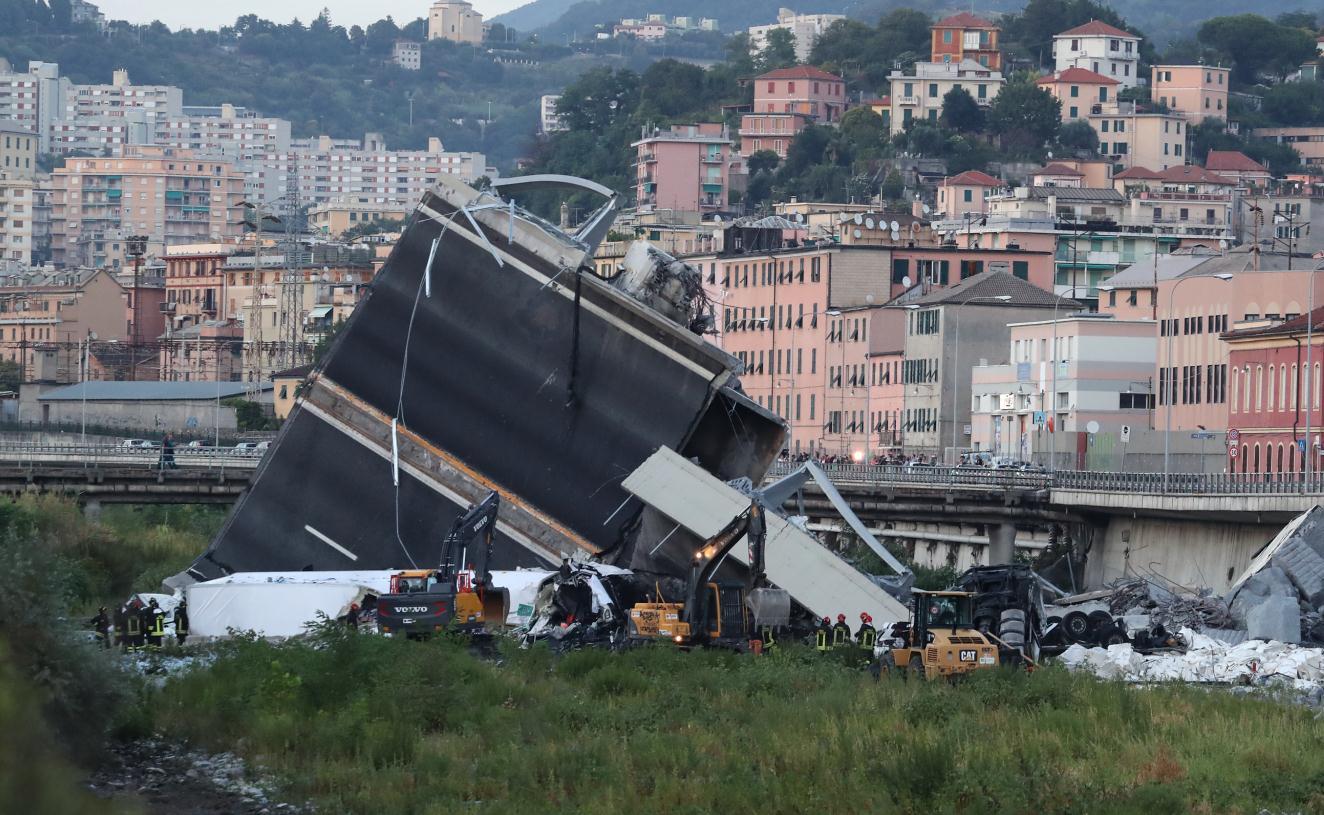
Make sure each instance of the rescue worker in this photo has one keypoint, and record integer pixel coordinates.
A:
(154, 625)
(101, 625)
(769, 638)
(867, 636)
(823, 635)
(352, 618)
(120, 639)
(181, 621)
(133, 629)
(841, 635)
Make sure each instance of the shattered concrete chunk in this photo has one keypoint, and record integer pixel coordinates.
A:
(1277, 618)
(1271, 581)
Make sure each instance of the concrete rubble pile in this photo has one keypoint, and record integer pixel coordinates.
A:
(1208, 660)
(1281, 595)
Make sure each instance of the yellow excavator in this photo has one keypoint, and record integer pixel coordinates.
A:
(941, 639)
(711, 612)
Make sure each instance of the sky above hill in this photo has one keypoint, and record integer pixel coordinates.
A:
(343, 12)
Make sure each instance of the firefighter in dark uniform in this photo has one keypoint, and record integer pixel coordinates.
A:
(154, 625)
(133, 628)
(181, 621)
(102, 625)
(823, 635)
(867, 636)
(841, 635)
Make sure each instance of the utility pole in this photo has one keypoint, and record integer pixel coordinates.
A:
(291, 294)
(137, 247)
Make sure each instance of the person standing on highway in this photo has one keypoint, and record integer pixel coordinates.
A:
(168, 452)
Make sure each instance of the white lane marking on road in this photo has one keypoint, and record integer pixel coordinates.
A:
(324, 539)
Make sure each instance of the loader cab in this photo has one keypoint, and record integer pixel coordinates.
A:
(413, 582)
(941, 610)
(727, 618)
(943, 641)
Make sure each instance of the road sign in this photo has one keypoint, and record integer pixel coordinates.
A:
(1040, 418)
(1202, 435)
(1126, 434)
(1301, 445)
(1232, 451)
(1233, 436)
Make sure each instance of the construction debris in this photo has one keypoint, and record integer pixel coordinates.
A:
(583, 602)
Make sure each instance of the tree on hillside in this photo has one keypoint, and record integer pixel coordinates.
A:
(1025, 117)
(1078, 136)
(598, 100)
(1257, 45)
(669, 88)
(863, 130)
(894, 187)
(739, 54)
(1212, 134)
(778, 52)
(960, 112)
(865, 55)
(1294, 103)
(1298, 19)
(762, 161)
(380, 37)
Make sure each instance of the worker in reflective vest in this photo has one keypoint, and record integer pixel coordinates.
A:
(155, 626)
(133, 630)
(841, 632)
(822, 636)
(867, 636)
(181, 621)
(769, 638)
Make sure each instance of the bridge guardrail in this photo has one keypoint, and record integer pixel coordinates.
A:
(1086, 480)
(100, 456)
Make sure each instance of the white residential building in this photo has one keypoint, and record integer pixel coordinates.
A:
(548, 121)
(1101, 48)
(408, 55)
(239, 135)
(918, 97)
(35, 99)
(121, 96)
(806, 28)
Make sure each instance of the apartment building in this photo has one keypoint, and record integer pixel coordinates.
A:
(1081, 91)
(919, 96)
(548, 120)
(33, 99)
(1131, 138)
(45, 317)
(334, 218)
(18, 150)
(321, 170)
(684, 169)
(407, 54)
(208, 351)
(99, 135)
(806, 28)
(1307, 141)
(950, 332)
(785, 102)
(455, 20)
(966, 194)
(121, 96)
(1248, 173)
(963, 37)
(1104, 372)
(238, 135)
(1101, 48)
(195, 283)
(170, 196)
(1198, 92)
(17, 222)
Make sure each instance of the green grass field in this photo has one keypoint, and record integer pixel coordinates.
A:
(367, 725)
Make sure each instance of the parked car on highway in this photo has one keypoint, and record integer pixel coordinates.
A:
(139, 444)
(252, 448)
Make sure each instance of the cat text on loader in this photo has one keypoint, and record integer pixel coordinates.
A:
(712, 612)
(941, 639)
(458, 595)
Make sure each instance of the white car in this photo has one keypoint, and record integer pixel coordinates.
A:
(252, 448)
(138, 444)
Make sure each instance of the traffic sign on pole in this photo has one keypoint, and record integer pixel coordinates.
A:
(1233, 436)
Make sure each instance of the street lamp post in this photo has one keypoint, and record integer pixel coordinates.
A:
(1052, 453)
(956, 356)
(87, 349)
(1169, 389)
(1309, 452)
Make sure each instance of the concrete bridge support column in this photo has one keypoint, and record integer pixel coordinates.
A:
(92, 510)
(1001, 543)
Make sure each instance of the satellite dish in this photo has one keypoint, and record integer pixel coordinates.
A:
(799, 217)
(868, 222)
(1222, 244)
(926, 209)
(859, 219)
(896, 227)
(905, 281)
(856, 233)
(868, 298)
(1092, 427)
(896, 236)
(717, 219)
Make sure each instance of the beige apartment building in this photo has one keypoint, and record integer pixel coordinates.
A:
(1198, 92)
(1308, 141)
(455, 20)
(171, 196)
(45, 318)
(18, 150)
(1130, 138)
(338, 216)
(918, 97)
(17, 203)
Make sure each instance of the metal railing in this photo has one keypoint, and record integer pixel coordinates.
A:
(1211, 484)
(107, 456)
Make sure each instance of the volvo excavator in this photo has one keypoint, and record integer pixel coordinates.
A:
(711, 612)
(456, 596)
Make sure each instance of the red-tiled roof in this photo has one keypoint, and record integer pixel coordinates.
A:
(1058, 169)
(1189, 173)
(1232, 161)
(1137, 172)
(801, 72)
(971, 178)
(1097, 28)
(963, 20)
(1080, 76)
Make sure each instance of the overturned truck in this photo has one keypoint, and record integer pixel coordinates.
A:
(487, 356)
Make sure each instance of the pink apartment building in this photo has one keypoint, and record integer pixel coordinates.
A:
(966, 192)
(684, 169)
(1079, 90)
(1198, 92)
(785, 102)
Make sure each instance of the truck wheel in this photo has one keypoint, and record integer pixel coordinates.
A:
(1012, 629)
(1077, 626)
